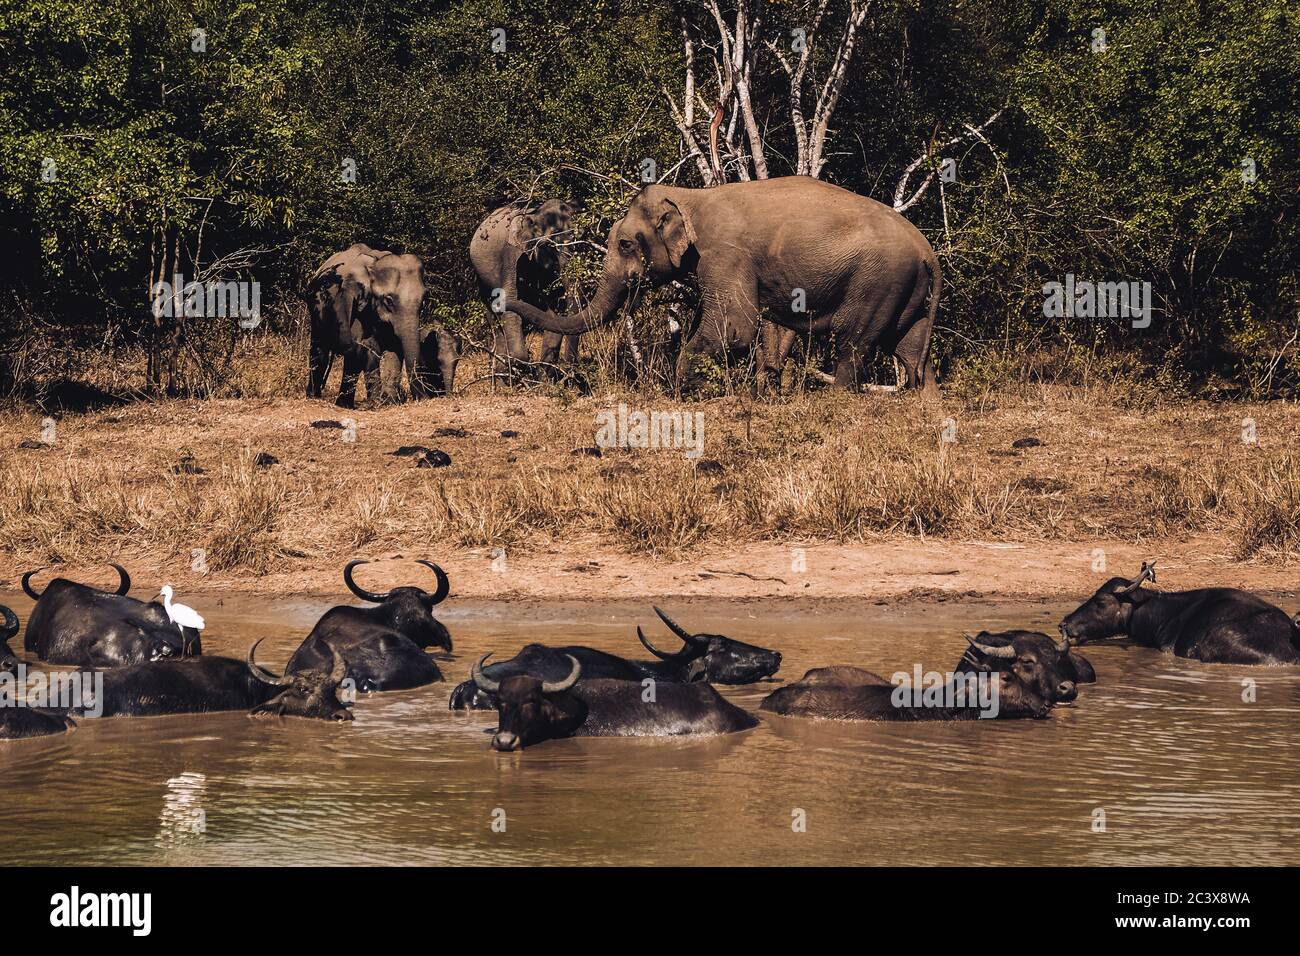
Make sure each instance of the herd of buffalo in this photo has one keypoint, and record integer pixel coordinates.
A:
(146, 665)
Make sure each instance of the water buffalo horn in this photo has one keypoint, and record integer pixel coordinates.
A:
(123, 579)
(1063, 644)
(444, 586)
(1148, 573)
(265, 676)
(27, 584)
(656, 652)
(676, 628)
(11, 624)
(554, 687)
(340, 669)
(373, 596)
(1003, 652)
(482, 681)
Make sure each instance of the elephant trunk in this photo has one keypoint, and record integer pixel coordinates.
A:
(411, 360)
(600, 311)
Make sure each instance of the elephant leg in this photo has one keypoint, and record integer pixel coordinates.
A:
(914, 352)
(848, 368)
(714, 342)
(729, 318)
(569, 353)
(321, 360)
(551, 352)
(512, 322)
(498, 363)
(516, 343)
(384, 370)
(775, 343)
(354, 363)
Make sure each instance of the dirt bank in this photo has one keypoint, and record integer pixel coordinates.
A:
(939, 570)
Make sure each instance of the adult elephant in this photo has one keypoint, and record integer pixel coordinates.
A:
(809, 256)
(365, 303)
(516, 257)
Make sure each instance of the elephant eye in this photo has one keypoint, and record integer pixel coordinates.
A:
(626, 246)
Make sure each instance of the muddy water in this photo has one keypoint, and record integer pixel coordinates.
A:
(1184, 771)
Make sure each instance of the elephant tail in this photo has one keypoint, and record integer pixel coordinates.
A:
(932, 301)
(925, 369)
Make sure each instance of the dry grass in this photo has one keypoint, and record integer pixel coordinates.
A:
(1266, 509)
(74, 510)
(819, 466)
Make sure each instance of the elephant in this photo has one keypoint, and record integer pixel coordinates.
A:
(515, 255)
(807, 256)
(364, 303)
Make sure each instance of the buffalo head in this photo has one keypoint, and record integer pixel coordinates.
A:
(1018, 699)
(409, 610)
(8, 631)
(1038, 662)
(529, 709)
(313, 693)
(1107, 612)
(714, 658)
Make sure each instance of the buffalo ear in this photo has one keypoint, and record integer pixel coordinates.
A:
(675, 229)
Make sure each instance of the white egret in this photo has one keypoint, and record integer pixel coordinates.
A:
(182, 615)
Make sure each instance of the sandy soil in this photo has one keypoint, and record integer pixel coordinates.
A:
(939, 570)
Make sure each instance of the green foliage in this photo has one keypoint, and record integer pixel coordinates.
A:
(1117, 164)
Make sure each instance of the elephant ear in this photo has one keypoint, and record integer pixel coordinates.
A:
(675, 229)
(524, 229)
(356, 279)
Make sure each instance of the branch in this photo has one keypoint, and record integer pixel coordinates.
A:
(832, 88)
(901, 205)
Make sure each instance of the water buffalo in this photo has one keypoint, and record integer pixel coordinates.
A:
(703, 657)
(531, 710)
(1049, 666)
(709, 657)
(845, 692)
(87, 627)
(19, 722)
(209, 684)
(1213, 625)
(10, 630)
(383, 646)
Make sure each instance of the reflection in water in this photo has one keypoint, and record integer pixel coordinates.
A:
(1183, 766)
(183, 820)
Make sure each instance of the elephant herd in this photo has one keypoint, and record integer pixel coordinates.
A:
(545, 692)
(772, 260)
